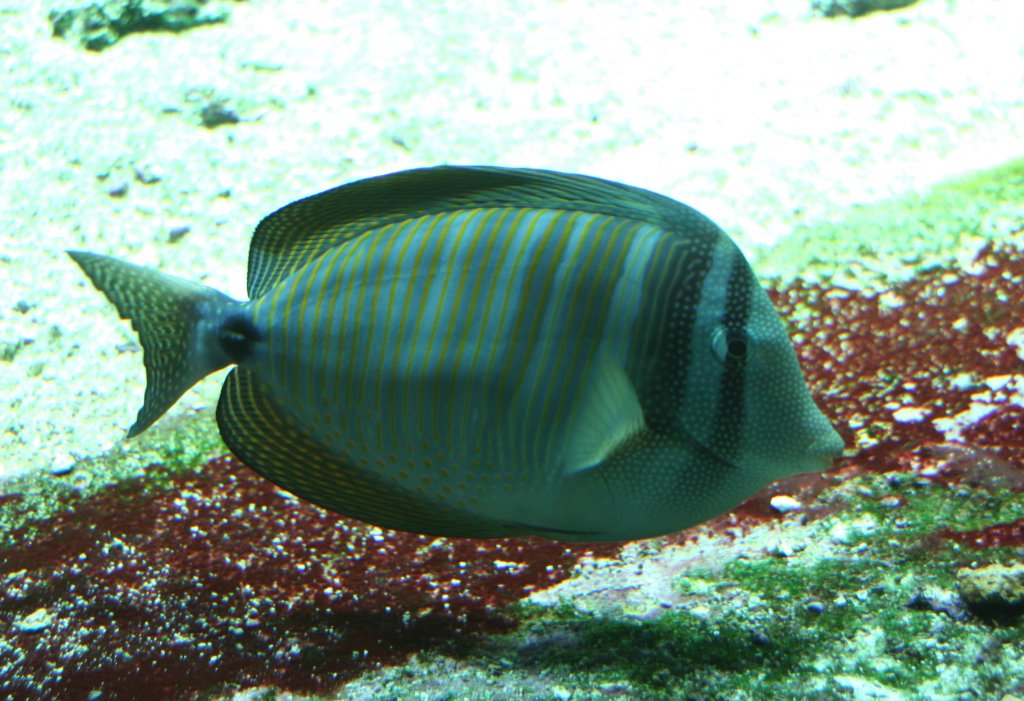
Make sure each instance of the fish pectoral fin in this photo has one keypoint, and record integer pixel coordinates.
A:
(607, 414)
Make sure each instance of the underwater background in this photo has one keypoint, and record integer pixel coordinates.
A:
(865, 155)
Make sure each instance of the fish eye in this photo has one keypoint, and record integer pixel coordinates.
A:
(731, 344)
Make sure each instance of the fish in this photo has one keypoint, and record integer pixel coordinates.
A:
(483, 352)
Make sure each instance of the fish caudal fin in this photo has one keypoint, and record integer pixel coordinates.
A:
(181, 326)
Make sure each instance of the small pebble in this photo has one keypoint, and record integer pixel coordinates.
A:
(217, 113)
(938, 600)
(891, 501)
(62, 465)
(35, 622)
(177, 233)
(910, 414)
(561, 693)
(119, 189)
(1015, 339)
(147, 174)
(839, 534)
(998, 382)
(784, 548)
(783, 503)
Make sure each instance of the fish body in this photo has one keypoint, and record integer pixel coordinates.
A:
(477, 351)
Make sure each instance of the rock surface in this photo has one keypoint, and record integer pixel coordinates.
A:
(100, 25)
(993, 588)
(856, 8)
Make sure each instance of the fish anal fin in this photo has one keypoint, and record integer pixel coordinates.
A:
(272, 442)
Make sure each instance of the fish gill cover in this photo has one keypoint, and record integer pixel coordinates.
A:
(215, 580)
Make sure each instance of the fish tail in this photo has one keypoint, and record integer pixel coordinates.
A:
(187, 330)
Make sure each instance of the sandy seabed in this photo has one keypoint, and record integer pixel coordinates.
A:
(756, 113)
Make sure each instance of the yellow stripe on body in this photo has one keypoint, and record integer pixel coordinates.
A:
(350, 346)
(547, 304)
(449, 307)
(392, 233)
(510, 237)
(409, 343)
(366, 320)
(405, 231)
(535, 306)
(308, 280)
(500, 264)
(319, 320)
(522, 240)
(465, 434)
(484, 382)
(573, 355)
(354, 255)
(303, 279)
(273, 313)
(292, 289)
(335, 342)
(662, 278)
(400, 340)
(587, 276)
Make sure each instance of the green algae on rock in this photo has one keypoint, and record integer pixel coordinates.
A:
(873, 245)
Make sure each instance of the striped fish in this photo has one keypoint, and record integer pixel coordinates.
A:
(478, 351)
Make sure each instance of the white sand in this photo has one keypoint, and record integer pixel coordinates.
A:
(757, 114)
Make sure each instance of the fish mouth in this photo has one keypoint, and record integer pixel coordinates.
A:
(819, 454)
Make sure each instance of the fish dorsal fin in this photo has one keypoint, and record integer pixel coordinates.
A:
(305, 229)
(272, 442)
(606, 416)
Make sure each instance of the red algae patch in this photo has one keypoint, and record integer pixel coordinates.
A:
(226, 582)
(930, 360)
(999, 535)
